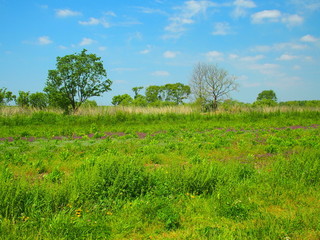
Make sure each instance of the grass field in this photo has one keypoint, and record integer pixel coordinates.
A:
(129, 174)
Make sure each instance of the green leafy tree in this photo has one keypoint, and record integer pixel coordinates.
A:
(177, 92)
(6, 96)
(268, 95)
(23, 100)
(136, 91)
(154, 94)
(76, 78)
(124, 100)
(140, 101)
(38, 100)
(210, 84)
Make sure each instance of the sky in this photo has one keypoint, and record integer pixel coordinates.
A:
(266, 44)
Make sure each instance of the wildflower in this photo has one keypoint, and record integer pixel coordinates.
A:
(109, 213)
(25, 218)
(78, 212)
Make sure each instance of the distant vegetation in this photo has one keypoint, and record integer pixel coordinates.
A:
(78, 77)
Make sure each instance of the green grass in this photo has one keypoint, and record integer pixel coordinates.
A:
(188, 176)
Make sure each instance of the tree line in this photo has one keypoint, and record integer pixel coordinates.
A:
(168, 94)
(80, 76)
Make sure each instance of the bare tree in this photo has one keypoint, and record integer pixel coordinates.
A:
(209, 84)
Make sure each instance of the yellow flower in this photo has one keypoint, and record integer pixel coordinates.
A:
(109, 213)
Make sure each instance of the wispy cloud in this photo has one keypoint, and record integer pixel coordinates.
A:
(86, 41)
(185, 16)
(306, 5)
(214, 56)
(252, 58)
(292, 20)
(287, 57)
(160, 74)
(280, 47)
(91, 21)
(222, 28)
(265, 16)
(266, 68)
(106, 21)
(147, 10)
(146, 51)
(170, 54)
(44, 40)
(241, 7)
(67, 13)
(309, 38)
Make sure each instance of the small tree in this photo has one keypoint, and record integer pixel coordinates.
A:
(23, 100)
(6, 96)
(268, 95)
(124, 99)
(77, 78)
(209, 84)
(154, 94)
(38, 100)
(177, 92)
(136, 91)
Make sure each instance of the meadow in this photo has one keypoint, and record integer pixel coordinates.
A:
(160, 174)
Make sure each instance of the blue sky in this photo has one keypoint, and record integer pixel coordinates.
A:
(266, 44)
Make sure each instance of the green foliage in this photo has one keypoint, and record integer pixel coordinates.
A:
(90, 104)
(6, 96)
(310, 103)
(77, 78)
(23, 100)
(38, 100)
(265, 103)
(174, 93)
(267, 95)
(124, 100)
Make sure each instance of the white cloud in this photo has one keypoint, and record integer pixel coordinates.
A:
(66, 13)
(233, 56)
(309, 5)
(92, 21)
(252, 58)
(170, 54)
(266, 15)
(102, 48)
(44, 40)
(214, 56)
(267, 68)
(160, 73)
(145, 51)
(279, 47)
(86, 41)
(135, 36)
(222, 28)
(292, 20)
(296, 67)
(151, 10)
(241, 7)
(95, 21)
(185, 16)
(309, 38)
(286, 57)
(110, 13)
